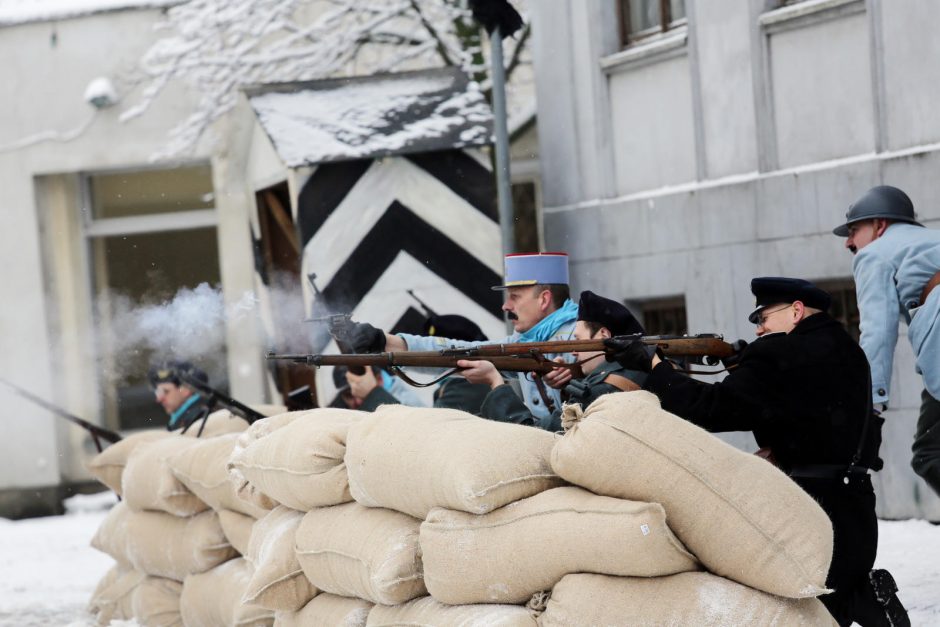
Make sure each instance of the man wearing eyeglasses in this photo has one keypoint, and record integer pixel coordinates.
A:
(803, 388)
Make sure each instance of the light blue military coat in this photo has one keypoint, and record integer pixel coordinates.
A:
(890, 274)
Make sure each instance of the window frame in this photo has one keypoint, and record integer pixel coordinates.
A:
(666, 23)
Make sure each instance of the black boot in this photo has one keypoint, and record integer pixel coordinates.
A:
(886, 592)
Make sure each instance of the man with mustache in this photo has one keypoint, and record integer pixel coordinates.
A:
(598, 318)
(896, 268)
(537, 300)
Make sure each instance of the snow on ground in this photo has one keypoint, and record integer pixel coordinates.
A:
(48, 568)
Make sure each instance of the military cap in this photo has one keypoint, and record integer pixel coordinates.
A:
(882, 201)
(608, 313)
(775, 290)
(165, 372)
(454, 327)
(523, 269)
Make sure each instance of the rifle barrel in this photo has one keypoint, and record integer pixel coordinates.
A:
(671, 346)
(424, 359)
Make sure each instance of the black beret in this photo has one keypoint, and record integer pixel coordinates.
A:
(775, 290)
(165, 372)
(608, 313)
(453, 327)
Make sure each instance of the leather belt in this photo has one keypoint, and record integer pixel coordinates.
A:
(827, 471)
(931, 283)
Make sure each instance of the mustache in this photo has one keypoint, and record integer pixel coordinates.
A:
(511, 315)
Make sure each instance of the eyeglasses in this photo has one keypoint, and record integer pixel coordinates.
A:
(764, 315)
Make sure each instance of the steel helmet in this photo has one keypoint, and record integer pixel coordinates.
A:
(882, 201)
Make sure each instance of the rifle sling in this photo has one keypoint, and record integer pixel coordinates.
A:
(622, 383)
(540, 386)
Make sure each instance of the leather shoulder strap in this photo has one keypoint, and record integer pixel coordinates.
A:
(621, 382)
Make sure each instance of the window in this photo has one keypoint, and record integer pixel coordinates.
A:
(525, 208)
(149, 233)
(844, 306)
(663, 316)
(643, 18)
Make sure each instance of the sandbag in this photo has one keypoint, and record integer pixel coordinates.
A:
(112, 597)
(508, 555)
(741, 516)
(363, 552)
(301, 465)
(162, 545)
(327, 609)
(414, 459)
(237, 529)
(202, 468)
(277, 581)
(149, 483)
(429, 613)
(108, 465)
(213, 598)
(700, 599)
(156, 602)
(260, 429)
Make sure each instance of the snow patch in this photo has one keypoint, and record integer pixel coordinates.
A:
(23, 11)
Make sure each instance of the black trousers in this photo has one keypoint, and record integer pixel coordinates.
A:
(851, 508)
(926, 447)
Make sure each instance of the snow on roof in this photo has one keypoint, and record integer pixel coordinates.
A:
(374, 116)
(23, 11)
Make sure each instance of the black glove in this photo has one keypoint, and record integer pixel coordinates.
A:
(631, 354)
(362, 337)
(735, 357)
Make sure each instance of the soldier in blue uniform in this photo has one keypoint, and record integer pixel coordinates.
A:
(537, 302)
(598, 318)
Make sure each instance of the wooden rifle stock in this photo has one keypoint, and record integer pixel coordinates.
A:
(705, 345)
(424, 359)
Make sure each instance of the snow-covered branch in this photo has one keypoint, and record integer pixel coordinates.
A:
(221, 46)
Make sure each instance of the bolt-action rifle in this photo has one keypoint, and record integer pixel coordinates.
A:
(97, 433)
(519, 357)
(215, 399)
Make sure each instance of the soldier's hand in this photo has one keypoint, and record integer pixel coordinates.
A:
(360, 385)
(558, 377)
(362, 337)
(632, 354)
(480, 371)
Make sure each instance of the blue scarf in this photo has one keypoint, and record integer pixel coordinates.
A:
(175, 416)
(548, 326)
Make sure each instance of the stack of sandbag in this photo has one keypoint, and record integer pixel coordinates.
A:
(766, 543)
(295, 463)
(163, 533)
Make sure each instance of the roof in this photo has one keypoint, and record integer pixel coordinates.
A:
(24, 11)
(371, 117)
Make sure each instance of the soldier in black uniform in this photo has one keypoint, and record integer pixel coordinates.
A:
(452, 393)
(598, 318)
(183, 405)
(803, 388)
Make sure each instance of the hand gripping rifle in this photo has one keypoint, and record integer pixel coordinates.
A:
(97, 433)
(215, 399)
(519, 357)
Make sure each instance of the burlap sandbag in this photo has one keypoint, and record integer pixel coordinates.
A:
(503, 556)
(149, 483)
(202, 468)
(237, 529)
(412, 460)
(108, 465)
(741, 516)
(222, 421)
(112, 597)
(363, 552)
(260, 429)
(277, 581)
(213, 598)
(428, 612)
(163, 545)
(327, 609)
(701, 599)
(301, 464)
(156, 602)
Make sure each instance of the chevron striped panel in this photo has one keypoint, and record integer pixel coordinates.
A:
(373, 229)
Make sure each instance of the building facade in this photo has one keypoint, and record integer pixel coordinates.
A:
(688, 146)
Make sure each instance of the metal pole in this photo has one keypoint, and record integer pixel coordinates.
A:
(503, 185)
